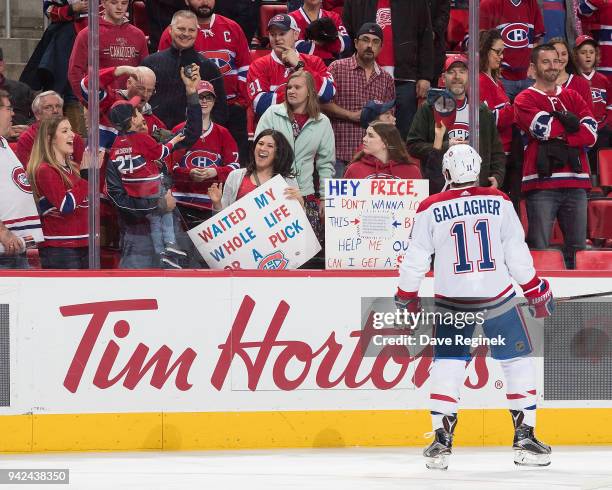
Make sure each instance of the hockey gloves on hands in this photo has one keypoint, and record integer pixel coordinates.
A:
(539, 296)
(409, 302)
(322, 30)
(569, 120)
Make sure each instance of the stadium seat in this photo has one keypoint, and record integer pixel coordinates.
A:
(266, 12)
(594, 260)
(140, 16)
(599, 218)
(604, 170)
(548, 260)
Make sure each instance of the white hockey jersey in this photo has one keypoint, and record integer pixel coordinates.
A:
(478, 242)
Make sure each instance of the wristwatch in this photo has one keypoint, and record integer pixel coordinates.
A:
(299, 66)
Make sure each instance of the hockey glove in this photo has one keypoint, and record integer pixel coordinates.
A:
(322, 30)
(569, 120)
(409, 302)
(539, 296)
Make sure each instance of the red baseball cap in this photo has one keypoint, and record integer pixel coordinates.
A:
(580, 40)
(206, 86)
(455, 58)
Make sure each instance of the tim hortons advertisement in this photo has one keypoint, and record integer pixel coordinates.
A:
(133, 344)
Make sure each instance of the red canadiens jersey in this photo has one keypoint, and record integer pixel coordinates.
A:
(326, 52)
(215, 148)
(63, 209)
(601, 91)
(532, 109)
(521, 24)
(599, 14)
(134, 155)
(580, 85)
(267, 79)
(223, 42)
(493, 94)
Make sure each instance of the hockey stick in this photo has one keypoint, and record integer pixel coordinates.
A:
(584, 296)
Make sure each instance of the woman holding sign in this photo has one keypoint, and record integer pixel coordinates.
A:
(271, 156)
(383, 156)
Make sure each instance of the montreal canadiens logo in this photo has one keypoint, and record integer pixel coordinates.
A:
(598, 95)
(222, 59)
(383, 18)
(515, 36)
(21, 180)
(460, 130)
(274, 261)
(201, 158)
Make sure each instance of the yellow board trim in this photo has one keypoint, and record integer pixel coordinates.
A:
(300, 429)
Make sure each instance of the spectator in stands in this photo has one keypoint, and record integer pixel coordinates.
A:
(492, 93)
(335, 5)
(120, 42)
(169, 100)
(221, 40)
(18, 214)
(555, 171)
(46, 105)
(383, 156)
(61, 194)
(600, 13)
(522, 27)
(159, 15)
(137, 250)
(440, 16)
(310, 134)
(21, 99)
(567, 72)
(560, 19)
(321, 32)
(267, 76)
(407, 53)
(244, 12)
(585, 56)
(210, 159)
(429, 139)
(271, 156)
(358, 80)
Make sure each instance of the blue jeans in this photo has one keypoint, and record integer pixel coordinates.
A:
(514, 87)
(14, 261)
(569, 206)
(64, 257)
(405, 106)
(162, 230)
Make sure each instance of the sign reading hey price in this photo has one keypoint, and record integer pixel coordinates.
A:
(368, 221)
(263, 230)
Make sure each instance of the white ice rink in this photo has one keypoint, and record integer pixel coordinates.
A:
(321, 469)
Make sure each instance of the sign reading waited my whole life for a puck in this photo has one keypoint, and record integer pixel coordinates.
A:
(263, 230)
(368, 221)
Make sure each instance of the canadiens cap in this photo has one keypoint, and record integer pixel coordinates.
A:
(580, 40)
(370, 28)
(284, 22)
(122, 111)
(373, 109)
(455, 58)
(206, 86)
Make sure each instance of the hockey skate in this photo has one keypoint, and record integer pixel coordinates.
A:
(528, 451)
(438, 452)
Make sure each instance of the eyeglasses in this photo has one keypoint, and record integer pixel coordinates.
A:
(207, 97)
(498, 52)
(367, 40)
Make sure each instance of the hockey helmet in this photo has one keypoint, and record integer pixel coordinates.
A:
(462, 163)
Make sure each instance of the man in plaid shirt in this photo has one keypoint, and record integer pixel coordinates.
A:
(358, 80)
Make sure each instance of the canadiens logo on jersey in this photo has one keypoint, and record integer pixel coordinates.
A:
(383, 17)
(222, 59)
(274, 261)
(200, 158)
(459, 130)
(515, 35)
(598, 95)
(21, 179)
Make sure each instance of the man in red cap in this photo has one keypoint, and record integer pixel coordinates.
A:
(430, 137)
(268, 75)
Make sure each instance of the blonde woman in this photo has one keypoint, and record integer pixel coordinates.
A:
(61, 195)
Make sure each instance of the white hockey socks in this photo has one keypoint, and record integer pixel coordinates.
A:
(520, 374)
(447, 376)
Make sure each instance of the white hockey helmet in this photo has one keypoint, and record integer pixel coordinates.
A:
(462, 163)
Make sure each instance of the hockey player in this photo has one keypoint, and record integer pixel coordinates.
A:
(479, 245)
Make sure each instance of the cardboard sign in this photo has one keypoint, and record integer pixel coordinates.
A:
(368, 221)
(263, 230)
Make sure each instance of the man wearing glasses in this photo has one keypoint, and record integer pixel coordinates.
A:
(18, 215)
(358, 80)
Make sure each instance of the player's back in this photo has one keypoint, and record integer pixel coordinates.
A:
(477, 240)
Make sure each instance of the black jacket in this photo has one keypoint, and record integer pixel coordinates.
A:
(169, 100)
(412, 34)
(440, 15)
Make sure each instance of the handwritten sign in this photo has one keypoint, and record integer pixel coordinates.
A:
(368, 221)
(263, 230)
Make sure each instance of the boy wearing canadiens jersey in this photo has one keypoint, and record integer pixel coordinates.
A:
(478, 245)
